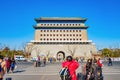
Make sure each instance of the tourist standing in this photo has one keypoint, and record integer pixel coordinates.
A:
(8, 63)
(72, 65)
(88, 69)
(38, 61)
(109, 61)
(51, 59)
(77, 59)
(12, 65)
(44, 61)
(2, 67)
(94, 60)
(100, 64)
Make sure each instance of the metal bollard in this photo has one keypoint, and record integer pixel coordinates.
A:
(9, 78)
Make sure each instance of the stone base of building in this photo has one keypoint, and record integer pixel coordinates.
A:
(60, 51)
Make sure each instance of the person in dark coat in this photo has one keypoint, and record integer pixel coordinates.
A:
(12, 65)
(109, 62)
(44, 61)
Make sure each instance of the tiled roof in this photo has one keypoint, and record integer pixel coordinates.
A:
(60, 18)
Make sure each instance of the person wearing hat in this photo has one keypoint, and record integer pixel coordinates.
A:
(72, 65)
(2, 67)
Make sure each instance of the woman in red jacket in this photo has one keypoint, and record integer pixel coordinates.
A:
(99, 63)
(72, 66)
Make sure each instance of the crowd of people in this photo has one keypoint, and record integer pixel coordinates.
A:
(10, 64)
(40, 61)
(92, 70)
(6, 65)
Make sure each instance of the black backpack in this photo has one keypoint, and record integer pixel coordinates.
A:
(65, 74)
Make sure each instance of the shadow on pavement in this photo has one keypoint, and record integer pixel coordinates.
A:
(19, 71)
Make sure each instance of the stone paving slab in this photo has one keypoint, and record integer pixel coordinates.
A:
(51, 72)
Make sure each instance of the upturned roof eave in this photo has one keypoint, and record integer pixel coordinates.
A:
(60, 18)
(38, 27)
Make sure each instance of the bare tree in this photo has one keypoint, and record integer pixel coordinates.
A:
(3, 46)
(23, 46)
(72, 50)
(37, 49)
(27, 48)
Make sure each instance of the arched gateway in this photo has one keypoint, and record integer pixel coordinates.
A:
(60, 56)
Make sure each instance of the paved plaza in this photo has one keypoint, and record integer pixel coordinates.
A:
(26, 71)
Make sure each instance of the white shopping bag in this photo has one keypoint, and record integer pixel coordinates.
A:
(15, 66)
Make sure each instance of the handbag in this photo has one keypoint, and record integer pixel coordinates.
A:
(15, 66)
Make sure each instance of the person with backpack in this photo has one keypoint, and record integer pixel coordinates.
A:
(2, 67)
(99, 69)
(72, 65)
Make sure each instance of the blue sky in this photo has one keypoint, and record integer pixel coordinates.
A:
(17, 18)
